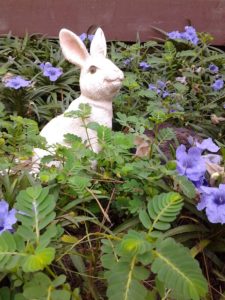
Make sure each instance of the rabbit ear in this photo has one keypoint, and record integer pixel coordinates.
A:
(98, 45)
(73, 48)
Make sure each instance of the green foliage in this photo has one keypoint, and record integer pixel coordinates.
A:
(178, 271)
(186, 186)
(126, 204)
(124, 282)
(27, 249)
(37, 211)
(40, 287)
(163, 209)
(172, 262)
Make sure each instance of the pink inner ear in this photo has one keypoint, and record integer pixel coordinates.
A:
(73, 48)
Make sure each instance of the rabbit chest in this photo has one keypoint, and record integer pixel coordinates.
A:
(55, 130)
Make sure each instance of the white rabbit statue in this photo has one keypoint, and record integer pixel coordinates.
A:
(100, 80)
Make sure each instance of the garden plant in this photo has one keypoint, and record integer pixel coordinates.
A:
(146, 221)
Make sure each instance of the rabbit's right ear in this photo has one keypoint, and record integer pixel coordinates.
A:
(73, 48)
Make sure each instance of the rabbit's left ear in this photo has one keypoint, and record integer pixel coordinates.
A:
(98, 45)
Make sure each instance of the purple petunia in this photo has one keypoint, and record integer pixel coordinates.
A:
(7, 217)
(51, 72)
(144, 65)
(85, 36)
(191, 164)
(213, 200)
(189, 35)
(218, 84)
(213, 69)
(17, 82)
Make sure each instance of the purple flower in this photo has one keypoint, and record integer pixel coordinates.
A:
(213, 200)
(7, 217)
(51, 72)
(128, 61)
(43, 66)
(159, 88)
(190, 163)
(17, 82)
(152, 87)
(161, 84)
(189, 34)
(218, 85)
(165, 94)
(144, 65)
(207, 144)
(173, 35)
(213, 68)
(85, 36)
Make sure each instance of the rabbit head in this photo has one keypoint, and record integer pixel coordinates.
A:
(100, 78)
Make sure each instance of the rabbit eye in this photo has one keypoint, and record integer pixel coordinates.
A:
(92, 69)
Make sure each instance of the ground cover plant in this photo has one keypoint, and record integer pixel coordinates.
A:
(147, 222)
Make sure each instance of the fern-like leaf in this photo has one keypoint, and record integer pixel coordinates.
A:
(36, 211)
(178, 271)
(163, 209)
(9, 257)
(124, 281)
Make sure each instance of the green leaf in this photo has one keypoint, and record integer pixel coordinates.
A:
(178, 271)
(5, 293)
(144, 218)
(186, 186)
(122, 283)
(37, 286)
(187, 53)
(9, 256)
(104, 134)
(166, 134)
(37, 211)
(170, 51)
(163, 209)
(134, 243)
(39, 260)
(60, 294)
(79, 183)
(83, 112)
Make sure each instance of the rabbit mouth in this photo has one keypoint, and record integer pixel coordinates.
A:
(114, 82)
